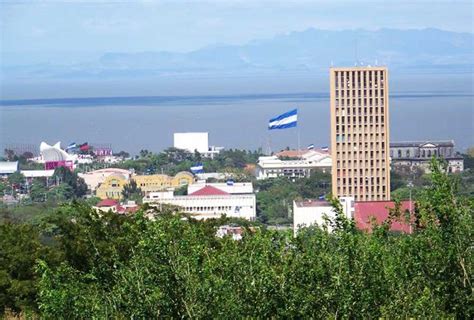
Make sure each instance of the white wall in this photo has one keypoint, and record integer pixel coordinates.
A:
(192, 141)
(305, 216)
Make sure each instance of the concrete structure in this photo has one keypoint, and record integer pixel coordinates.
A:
(112, 187)
(8, 167)
(195, 141)
(368, 213)
(208, 202)
(318, 213)
(159, 182)
(53, 153)
(94, 178)
(360, 133)
(273, 167)
(419, 154)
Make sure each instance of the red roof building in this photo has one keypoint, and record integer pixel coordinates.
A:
(209, 191)
(368, 212)
(107, 203)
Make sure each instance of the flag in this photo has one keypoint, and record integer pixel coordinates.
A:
(284, 121)
(71, 146)
(324, 148)
(197, 168)
(84, 146)
(311, 147)
(230, 182)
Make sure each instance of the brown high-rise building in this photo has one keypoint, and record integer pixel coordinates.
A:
(360, 133)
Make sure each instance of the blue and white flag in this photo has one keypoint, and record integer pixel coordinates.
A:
(71, 146)
(284, 121)
(310, 147)
(324, 148)
(197, 168)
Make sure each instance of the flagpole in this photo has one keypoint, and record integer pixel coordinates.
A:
(299, 147)
(269, 143)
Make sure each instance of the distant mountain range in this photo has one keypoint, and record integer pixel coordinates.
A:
(430, 50)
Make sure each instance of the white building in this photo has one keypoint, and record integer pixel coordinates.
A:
(8, 167)
(209, 202)
(315, 212)
(195, 141)
(273, 167)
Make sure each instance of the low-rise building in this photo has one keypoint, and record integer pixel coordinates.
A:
(370, 213)
(419, 154)
(308, 213)
(107, 205)
(112, 187)
(114, 205)
(366, 214)
(274, 166)
(208, 202)
(8, 167)
(159, 182)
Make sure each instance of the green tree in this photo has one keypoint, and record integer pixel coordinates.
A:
(131, 191)
(65, 176)
(20, 247)
(9, 154)
(61, 193)
(16, 179)
(38, 191)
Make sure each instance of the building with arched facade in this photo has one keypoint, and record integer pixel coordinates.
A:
(419, 154)
(112, 187)
(159, 182)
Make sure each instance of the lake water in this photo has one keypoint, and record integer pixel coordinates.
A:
(443, 109)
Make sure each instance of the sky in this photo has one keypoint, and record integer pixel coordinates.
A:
(79, 29)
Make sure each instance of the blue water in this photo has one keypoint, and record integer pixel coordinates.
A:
(419, 110)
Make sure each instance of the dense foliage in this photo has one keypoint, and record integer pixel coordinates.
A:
(172, 161)
(275, 196)
(80, 264)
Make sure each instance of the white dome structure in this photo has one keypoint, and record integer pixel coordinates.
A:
(53, 153)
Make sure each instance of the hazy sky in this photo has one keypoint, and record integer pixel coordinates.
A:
(130, 26)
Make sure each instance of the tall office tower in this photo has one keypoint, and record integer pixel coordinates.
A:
(360, 133)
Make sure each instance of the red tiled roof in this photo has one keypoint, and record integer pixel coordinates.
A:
(299, 153)
(131, 209)
(107, 203)
(291, 153)
(121, 209)
(208, 191)
(366, 211)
